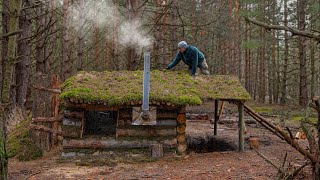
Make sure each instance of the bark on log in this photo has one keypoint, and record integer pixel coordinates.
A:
(73, 114)
(146, 132)
(46, 119)
(112, 143)
(45, 129)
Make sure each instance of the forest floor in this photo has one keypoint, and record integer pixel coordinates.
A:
(224, 162)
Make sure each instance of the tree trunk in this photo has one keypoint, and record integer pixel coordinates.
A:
(303, 88)
(132, 63)
(80, 35)
(6, 99)
(24, 52)
(4, 43)
(286, 57)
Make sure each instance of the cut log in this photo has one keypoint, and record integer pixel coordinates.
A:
(181, 129)
(156, 150)
(254, 143)
(182, 147)
(181, 138)
(181, 118)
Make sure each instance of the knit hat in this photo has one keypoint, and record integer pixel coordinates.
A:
(182, 44)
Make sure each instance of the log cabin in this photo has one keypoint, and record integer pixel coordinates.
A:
(102, 109)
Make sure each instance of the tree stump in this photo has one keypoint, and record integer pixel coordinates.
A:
(254, 143)
(156, 150)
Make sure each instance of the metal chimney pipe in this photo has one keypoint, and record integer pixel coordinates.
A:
(146, 87)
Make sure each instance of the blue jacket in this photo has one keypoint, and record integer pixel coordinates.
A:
(192, 57)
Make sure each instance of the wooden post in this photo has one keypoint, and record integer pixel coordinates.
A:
(241, 126)
(156, 150)
(216, 117)
(181, 132)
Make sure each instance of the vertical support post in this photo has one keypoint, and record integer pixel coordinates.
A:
(241, 126)
(216, 116)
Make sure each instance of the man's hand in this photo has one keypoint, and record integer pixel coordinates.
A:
(165, 69)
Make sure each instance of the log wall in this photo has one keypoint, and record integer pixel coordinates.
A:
(73, 124)
(170, 129)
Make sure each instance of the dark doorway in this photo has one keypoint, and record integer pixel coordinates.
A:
(101, 122)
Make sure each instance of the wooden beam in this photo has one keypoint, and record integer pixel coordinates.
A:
(216, 116)
(46, 119)
(241, 126)
(45, 129)
(57, 91)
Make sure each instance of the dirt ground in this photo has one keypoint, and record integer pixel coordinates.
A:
(223, 163)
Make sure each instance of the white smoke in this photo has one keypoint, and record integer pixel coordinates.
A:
(131, 35)
(105, 15)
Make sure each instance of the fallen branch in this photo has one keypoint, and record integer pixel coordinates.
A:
(280, 133)
(268, 160)
(294, 31)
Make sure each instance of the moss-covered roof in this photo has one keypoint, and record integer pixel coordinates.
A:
(174, 87)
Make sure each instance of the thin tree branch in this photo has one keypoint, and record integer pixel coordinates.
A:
(294, 31)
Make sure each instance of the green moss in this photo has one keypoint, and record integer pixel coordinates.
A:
(176, 87)
(19, 145)
(263, 109)
(313, 120)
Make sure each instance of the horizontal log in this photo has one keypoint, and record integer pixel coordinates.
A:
(45, 129)
(167, 115)
(56, 91)
(73, 114)
(71, 131)
(92, 143)
(46, 119)
(72, 122)
(197, 116)
(170, 131)
(171, 122)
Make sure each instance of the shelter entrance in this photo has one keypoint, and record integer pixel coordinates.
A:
(101, 122)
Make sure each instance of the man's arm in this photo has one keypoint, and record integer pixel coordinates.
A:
(194, 58)
(175, 61)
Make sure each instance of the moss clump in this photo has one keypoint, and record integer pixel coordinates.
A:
(19, 145)
(176, 87)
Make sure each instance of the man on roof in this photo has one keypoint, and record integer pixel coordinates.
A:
(192, 57)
